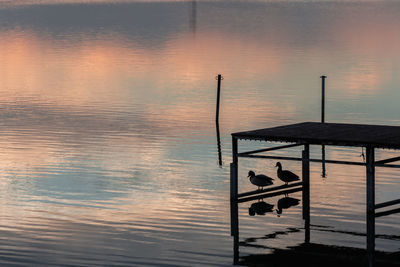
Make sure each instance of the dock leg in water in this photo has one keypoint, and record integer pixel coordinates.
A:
(370, 205)
(306, 191)
(323, 162)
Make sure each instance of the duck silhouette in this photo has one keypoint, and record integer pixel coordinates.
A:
(285, 175)
(260, 180)
(285, 203)
(260, 208)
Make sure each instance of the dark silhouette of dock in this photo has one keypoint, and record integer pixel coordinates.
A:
(337, 134)
(369, 137)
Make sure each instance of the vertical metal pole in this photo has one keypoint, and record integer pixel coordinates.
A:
(323, 77)
(370, 204)
(306, 191)
(219, 77)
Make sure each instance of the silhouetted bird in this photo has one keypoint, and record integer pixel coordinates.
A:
(286, 176)
(260, 208)
(285, 203)
(259, 180)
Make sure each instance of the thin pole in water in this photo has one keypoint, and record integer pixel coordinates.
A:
(323, 77)
(219, 78)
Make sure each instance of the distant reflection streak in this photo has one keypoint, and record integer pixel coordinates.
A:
(323, 162)
(193, 16)
(219, 144)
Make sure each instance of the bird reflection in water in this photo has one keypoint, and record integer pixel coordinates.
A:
(285, 203)
(260, 208)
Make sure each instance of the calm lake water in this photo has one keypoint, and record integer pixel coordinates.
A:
(108, 149)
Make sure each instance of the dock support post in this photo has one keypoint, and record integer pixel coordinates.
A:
(234, 198)
(306, 191)
(234, 203)
(234, 169)
(234, 188)
(235, 232)
(370, 204)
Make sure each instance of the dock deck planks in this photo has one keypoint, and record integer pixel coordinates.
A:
(341, 134)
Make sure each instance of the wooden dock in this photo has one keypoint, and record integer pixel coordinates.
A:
(340, 134)
(370, 137)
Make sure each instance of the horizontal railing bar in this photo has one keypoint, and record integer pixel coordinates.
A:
(387, 160)
(273, 194)
(339, 162)
(268, 149)
(388, 203)
(269, 157)
(300, 159)
(269, 189)
(385, 213)
(388, 165)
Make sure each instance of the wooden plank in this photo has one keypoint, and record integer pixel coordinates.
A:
(268, 195)
(379, 136)
(269, 189)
